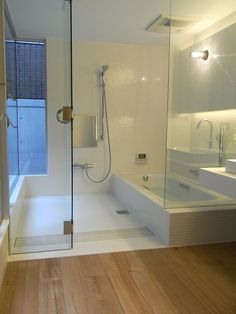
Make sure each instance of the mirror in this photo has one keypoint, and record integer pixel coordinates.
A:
(85, 131)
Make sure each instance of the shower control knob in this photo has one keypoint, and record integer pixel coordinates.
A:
(82, 166)
(88, 166)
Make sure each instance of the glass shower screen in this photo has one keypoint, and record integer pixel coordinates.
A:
(43, 151)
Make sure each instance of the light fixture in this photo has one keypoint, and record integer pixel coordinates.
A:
(200, 54)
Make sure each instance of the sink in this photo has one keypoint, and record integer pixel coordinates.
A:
(230, 165)
(193, 155)
(218, 180)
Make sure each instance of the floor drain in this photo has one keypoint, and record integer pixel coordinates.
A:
(122, 212)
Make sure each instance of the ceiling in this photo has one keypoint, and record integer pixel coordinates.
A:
(110, 20)
(38, 19)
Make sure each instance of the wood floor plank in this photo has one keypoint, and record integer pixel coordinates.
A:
(51, 297)
(128, 261)
(25, 298)
(8, 287)
(91, 265)
(101, 297)
(6, 299)
(50, 269)
(11, 273)
(153, 293)
(125, 288)
(183, 299)
(96, 292)
(129, 296)
(221, 271)
(75, 301)
(224, 259)
(223, 268)
(190, 273)
(51, 291)
(198, 279)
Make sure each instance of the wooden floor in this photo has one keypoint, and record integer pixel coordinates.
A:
(199, 279)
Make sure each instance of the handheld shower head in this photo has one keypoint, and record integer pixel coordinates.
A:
(104, 68)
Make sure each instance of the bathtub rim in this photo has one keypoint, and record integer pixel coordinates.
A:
(182, 207)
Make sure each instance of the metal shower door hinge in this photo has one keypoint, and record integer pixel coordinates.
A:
(65, 115)
(68, 227)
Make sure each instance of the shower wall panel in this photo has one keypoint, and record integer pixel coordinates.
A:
(136, 85)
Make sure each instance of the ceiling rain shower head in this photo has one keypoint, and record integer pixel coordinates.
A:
(104, 68)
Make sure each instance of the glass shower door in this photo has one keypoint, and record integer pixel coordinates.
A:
(41, 213)
(12, 112)
(201, 108)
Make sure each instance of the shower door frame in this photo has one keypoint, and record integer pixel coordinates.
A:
(71, 133)
(4, 188)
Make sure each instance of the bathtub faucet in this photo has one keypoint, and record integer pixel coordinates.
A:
(145, 177)
(210, 142)
(82, 166)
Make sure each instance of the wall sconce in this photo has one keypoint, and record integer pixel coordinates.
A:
(200, 55)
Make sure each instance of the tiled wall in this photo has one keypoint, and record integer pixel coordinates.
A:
(136, 85)
(136, 101)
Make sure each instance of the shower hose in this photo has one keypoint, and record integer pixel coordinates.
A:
(104, 103)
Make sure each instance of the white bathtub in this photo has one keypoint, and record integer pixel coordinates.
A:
(189, 214)
(177, 191)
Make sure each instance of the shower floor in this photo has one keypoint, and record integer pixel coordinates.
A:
(101, 224)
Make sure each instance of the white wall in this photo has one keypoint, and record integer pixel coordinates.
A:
(136, 85)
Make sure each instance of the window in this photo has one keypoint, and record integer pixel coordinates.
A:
(27, 148)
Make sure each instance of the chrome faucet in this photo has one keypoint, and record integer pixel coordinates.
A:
(221, 144)
(210, 142)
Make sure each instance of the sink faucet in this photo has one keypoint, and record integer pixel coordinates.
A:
(210, 142)
(221, 144)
